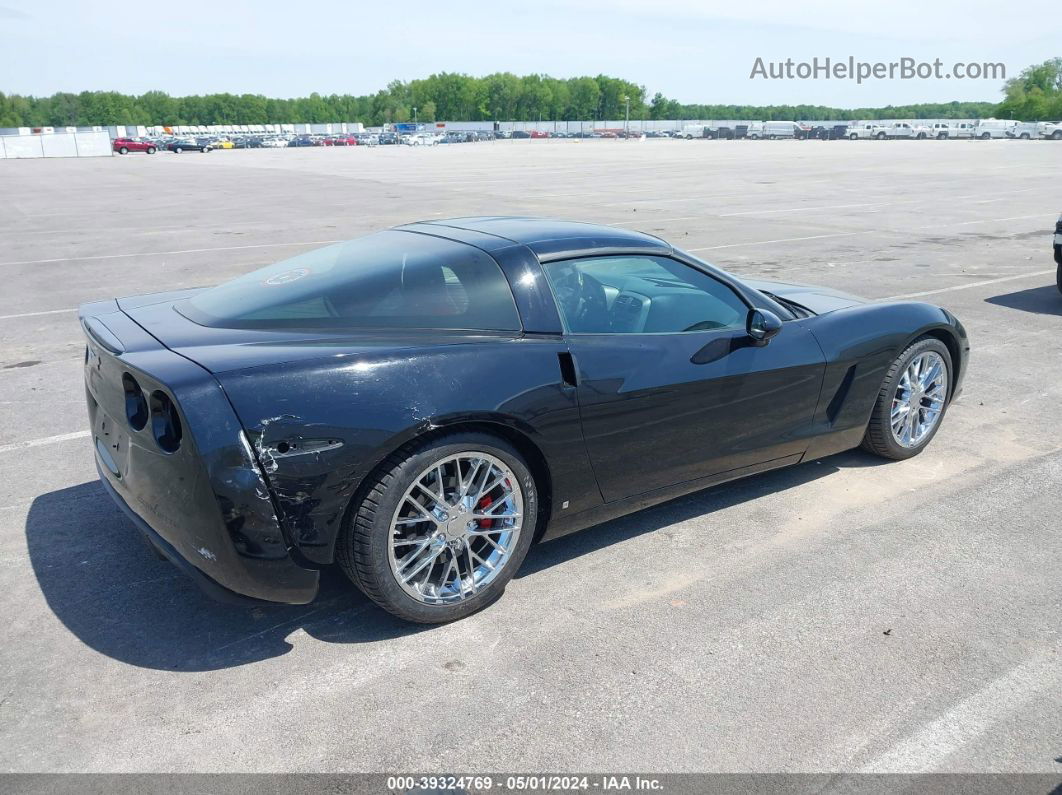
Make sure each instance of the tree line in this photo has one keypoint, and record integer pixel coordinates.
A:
(1034, 95)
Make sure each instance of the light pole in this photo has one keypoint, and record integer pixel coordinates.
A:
(414, 117)
(626, 117)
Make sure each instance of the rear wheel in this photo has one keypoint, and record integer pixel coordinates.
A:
(985, 136)
(1058, 277)
(442, 527)
(912, 401)
(1056, 135)
(881, 136)
(151, 150)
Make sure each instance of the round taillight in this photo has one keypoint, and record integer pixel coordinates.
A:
(136, 408)
(165, 424)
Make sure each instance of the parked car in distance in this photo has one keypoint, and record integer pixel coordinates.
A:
(994, 128)
(540, 134)
(1051, 130)
(273, 143)
(189, 145)
(389, 139)
(773, 130)
(419, 410)
(1025, 131)
(865, 130)
(222, 143)
(903, 130)
(125, 145)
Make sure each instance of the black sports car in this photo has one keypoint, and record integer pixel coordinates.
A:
(421, 404)
(189, 145)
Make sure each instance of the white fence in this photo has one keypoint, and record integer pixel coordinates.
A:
(79, 144)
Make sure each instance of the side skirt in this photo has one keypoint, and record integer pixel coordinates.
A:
(563, 525)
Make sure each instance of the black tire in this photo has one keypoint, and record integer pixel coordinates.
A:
(985, 136)
(123, 150)
(1056, 135)
(853, 137)
(941, 136)
(177, 150)
(878, 438)
(362, 546)
(1058, 277)
(151, 150)
(880, 136)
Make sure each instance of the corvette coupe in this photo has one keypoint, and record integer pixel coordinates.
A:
(418, 406)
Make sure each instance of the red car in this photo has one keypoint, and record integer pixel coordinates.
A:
(341, 140)
(124, 146)
(539, 134)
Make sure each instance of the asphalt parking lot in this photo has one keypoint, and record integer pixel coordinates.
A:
(846, 614)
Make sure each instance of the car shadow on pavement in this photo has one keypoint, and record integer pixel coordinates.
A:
(1044, 300)
(102, 580)
(699, 503)
(104, 583)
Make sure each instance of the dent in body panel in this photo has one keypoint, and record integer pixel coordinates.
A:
(355, 415)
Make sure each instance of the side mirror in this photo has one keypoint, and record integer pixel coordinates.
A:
(762, 325)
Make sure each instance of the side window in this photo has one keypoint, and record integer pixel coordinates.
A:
(641, 295)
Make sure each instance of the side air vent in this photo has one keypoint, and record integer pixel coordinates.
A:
(839, 396)
(165, 423)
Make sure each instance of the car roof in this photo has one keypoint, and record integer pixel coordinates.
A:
(548, 238)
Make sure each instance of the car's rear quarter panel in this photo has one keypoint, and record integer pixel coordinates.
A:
(206, 499)
(320, 427)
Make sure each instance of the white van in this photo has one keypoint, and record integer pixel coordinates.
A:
(994, 128)
(782, 129)
(691, 131)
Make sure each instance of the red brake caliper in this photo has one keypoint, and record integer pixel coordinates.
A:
(484, 503)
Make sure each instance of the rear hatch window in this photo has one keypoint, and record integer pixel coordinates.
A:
(390, 279)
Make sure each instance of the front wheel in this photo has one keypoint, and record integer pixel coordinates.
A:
(985, 136)
(912, 401)
(853, 137)
(123, 151)
(178, 150)
(441, 527)
(1058, 277)
(881, 136)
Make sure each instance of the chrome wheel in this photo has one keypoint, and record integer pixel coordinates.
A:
(919, 399)
(455, 528)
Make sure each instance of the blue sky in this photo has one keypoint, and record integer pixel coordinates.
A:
(691, 51)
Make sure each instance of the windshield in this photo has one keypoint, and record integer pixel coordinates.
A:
(387, 280)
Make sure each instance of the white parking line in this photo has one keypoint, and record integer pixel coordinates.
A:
(63, 437)
(36, 314)
(924, 750)
(967, 286)
(164, 253)
(780, 240)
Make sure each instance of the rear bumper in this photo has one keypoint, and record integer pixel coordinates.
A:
(210, 587)
(263, 593)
